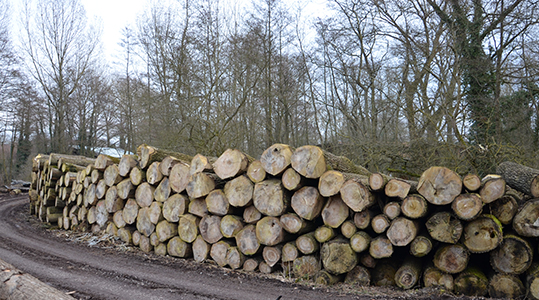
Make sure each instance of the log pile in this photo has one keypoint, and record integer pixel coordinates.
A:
(307, 213)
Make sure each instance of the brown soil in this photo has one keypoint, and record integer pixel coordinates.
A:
(102, 267)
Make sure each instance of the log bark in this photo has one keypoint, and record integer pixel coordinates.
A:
(348, 229)
(360, 241)
(251, 215)
(201, 249)
(380, 247)
(358, 276)
(408, 274)
(307, 203)
(239, 191)
(467, 206)
(162, 192)
(519, 177)
(166, 230)
(513, 256)
(247, 241)
(153, 173)
(210, 228)
(256, 172)
(471, 182)
(451, 259)
(179, 177)
(276, 159)
(234, 258)
(272, 254)
(392, 209)
(506, 286)
(400, 188)
(174, 207)
(444, 227)
(471, 282)
(217, 203)
(270, 198)
(294, 224)
(483, 234)
(148, 154)
(289, 252)
(526, 221)
(292, 181)
(130, 211)
(492, 188)
(137, 176)
(188, 227)
(127, 162)
(335, 212)
(324, 233)
(402, 231)
(356, 195)
(421, 246)
(144, 194)
(200, 185)
(439, 185)
(307, 244)
(178, 248)
(231, 164)
(269, 231)
(230, 226)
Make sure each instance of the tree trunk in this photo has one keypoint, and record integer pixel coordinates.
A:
(451, 259)
(407, 276)
(230, 226)
(526, 221)
(90, 195)
(231, 164)
(174, 207)
(270, 198)
(247, 241)
(188, 227)
(471, 282)
(307, 203)
(380, 247)
(256, 172)
(102, 215)
(144, 194)
(162, 192)
(148, 154)
(276, 159)
(239, 191)
(153, 173)
(492, 188)
(295, 224)
(201, 249)
(178, 248)
(272, 254)
(127, 162)
(360, 241)
(118, 219)
(210, 228)
(292, 181)
(467, 206)
(519, 177)
(144, 244)
(483, 234)
(251, 264)
(532, 281)
(269, 231)
(179, 177)
(144, 225)
(326, 278)
(471, 182)
(201, 163)
(335, 212)
(307, 244)
(219, 251)
(444, 227)
(356, 195)
(402, 231)
(513, 256)
(400, 188)
(126, 234)
(166, 230)
(506, 286)
(167, 163)
(439, 185)
(338, 257)
(130, 211)
(96, 175)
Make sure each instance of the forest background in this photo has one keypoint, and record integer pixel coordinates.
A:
(395, 85)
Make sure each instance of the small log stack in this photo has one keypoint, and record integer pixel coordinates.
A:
(307, 213)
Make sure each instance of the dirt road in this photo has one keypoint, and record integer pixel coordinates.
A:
(97, 272)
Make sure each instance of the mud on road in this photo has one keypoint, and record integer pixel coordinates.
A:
(92, 267)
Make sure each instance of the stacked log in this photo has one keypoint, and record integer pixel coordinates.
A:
(307, 212)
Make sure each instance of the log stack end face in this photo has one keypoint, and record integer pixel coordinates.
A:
(439, 185)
